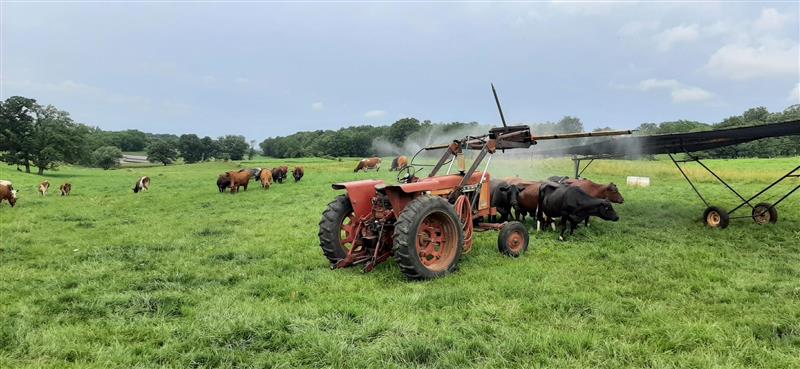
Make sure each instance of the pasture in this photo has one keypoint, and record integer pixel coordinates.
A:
(184, 277)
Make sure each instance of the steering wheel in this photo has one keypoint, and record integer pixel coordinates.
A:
(407, 174)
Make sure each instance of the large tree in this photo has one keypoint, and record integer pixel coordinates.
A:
(164, 152)
(191, 148)
(16, 129)
(235, 146)
(42, 136)
(107, 157)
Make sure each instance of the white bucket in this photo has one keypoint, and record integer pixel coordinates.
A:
(638, 181)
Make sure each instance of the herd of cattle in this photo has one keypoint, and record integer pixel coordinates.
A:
(241, 178)
(571, 200)
(8, 193)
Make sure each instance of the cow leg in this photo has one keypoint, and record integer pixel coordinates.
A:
(563, 228)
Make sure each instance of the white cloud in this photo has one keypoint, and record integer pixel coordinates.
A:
(317, 106)
(690, 94)
(794, 94)
(667, 38)
(241, 80)
(637, 28)
(679, 92)
(653, 84)
(375, 114)
(770, 20)
(771, 58)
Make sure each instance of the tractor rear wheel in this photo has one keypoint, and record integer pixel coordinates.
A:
(428, 238)
(337, 229)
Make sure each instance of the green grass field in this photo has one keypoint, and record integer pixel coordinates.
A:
(184, 277)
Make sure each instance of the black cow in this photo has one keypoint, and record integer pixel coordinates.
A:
(505, 197)
(572, 205)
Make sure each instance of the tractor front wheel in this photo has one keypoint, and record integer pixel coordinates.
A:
(513, 239)
(337, 229)
(428, 238)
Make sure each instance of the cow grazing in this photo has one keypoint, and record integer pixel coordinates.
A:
(8, 193)
(279, 173)
(298, 173)
(142, 184)
(43, 187)
(238, 179)
(265, 177)
(65, 189)
(504, 197)
(370, 163)
(573, 206)
(399, 163)
(223, 182)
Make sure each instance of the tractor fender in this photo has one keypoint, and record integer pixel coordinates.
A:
(360, 194)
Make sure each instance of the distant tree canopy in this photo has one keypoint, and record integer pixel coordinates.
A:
(768, 147)
(44, 137)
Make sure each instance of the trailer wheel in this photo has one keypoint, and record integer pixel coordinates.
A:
(764, 213)
(428, 238)
(715, 217)
(336, 229)
(513, 239)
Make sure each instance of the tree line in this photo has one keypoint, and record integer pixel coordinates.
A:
(764, 148)
(34, 135)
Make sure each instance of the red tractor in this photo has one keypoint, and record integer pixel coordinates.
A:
(428, 223)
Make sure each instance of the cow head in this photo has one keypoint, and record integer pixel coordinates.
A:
(512, 194)
(613, 195)
(606, 211)
(13, 199)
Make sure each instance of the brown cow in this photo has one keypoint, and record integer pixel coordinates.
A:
(142, 184)
(238, 179)
(266, 178)
(279, 173)
(608, 192)
(399, 163)
(223, 182)
(8, 193)
(370, 163)
(298, 173)
(43, 187)
(65, 188)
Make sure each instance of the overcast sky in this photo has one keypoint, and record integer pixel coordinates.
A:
(267, 69)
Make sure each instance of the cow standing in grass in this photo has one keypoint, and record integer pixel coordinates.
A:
(43, 187)
(65, 189)
(370, 163)
(8, 193)
(608, 192)
(238, 179)
(573, 206)
(298, 173)
(265, 177)
(142, 184)
(399, 163)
